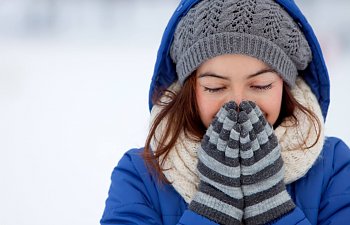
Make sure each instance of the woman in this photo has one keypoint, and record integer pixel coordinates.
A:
(239, 97)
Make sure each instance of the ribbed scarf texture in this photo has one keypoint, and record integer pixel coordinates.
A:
(180, 164)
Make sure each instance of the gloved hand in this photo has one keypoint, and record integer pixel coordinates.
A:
(219, 197)
(262, 171)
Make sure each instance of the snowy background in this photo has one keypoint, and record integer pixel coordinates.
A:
(74, 78)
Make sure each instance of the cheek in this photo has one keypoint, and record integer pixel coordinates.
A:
(207, 108)
(271, 106)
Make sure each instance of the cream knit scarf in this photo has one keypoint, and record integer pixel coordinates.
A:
(180, 164)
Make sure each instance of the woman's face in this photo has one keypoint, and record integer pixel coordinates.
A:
(236, 78)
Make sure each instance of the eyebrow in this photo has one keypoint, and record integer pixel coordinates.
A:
(265, 70)
(210, 74)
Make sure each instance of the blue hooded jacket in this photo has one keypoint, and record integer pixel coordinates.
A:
(322, 196)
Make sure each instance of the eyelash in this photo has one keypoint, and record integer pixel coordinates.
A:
(213, 90)
(263, 88)
(257, 87)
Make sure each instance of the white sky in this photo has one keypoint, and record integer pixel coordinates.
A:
(72, 104)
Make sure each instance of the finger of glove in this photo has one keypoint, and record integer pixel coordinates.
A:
(265, 124)
(248, 107)
(255, 127)
(245, 145)
(215, 127)
(266, 160)
(232, 148)
(231, 105)
(212, 161)
(266, 140)
(211, 133)
(255, 116)
(228, 124)
(271, 148)
(217, 150)
(229, 145)
(217, 124)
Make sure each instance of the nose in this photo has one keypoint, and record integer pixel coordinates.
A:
(237, 96)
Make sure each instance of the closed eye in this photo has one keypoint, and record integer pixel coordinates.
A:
(213, 90)
(262, 87)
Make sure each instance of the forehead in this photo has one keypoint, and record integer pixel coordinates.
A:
(234, 66)
(232, 61)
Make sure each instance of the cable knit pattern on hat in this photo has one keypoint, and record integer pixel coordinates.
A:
(180, 165)
(258, 28)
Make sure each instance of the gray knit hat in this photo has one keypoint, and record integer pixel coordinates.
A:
(258, 28)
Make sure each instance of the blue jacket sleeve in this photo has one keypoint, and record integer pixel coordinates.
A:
(335, 199)
(133, 197)
(128, 199)
(335, 202)
(190, 217)
(296, 217)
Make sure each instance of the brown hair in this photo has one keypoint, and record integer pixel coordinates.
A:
(289, 107)
(181, 113)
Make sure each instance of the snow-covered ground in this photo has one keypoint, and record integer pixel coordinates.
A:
(71, 104)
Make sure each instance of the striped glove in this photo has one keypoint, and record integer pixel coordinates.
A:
(262, 172)
(219, 197)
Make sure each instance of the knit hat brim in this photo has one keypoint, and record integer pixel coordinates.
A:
(237, 43)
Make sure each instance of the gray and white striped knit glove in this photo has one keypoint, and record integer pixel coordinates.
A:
(262, 170)
(220, 197)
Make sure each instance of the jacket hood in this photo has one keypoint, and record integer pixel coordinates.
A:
(315, 75)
